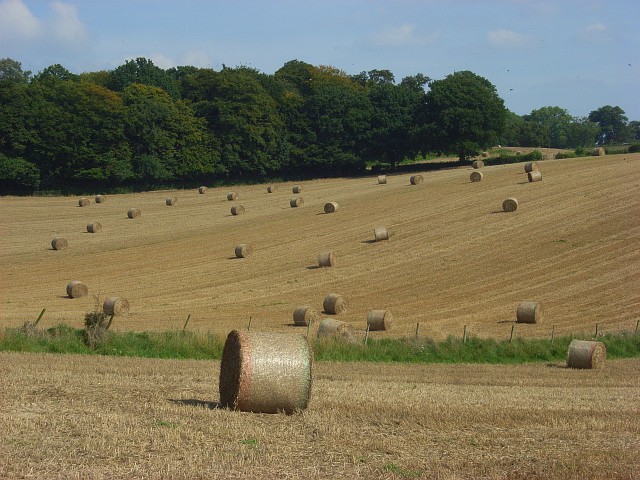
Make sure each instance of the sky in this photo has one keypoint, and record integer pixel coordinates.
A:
(579, 55)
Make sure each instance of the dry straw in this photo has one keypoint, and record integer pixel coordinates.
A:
(271, 189)
(380, 233)
(202, 190)
(59, 243)
(476, 176)
(326, 259)
(171, 201)
(330, 207)
(332, 328)
(84, 202)
(297, 189)
(76, 289)
(116, 306)
(232, 196)
(265, 372)
(296, 202)
(477, 164)
(529, 312)
(243, 250)
(510, 205)
(416, 179)
(379, 320)
(334, 304)
(133, 213)
(100, 199)
(530, 166)
(535, 176)
(237, 210)
(94, 227)
(382, 179)
(305, 315)
(598, 152)
(586, 354)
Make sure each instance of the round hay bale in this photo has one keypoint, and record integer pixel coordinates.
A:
(59, 243)
(334, 304)
(530, 166)
(477, 164)
(297, 189)
(296, 202)
(271, 189)
(529, 312)
(94, 227)
(380, 233)
(237, 210)
(535, 176)
(84, 202)
(485, 154)
(116, 306)
(382, 179)
(326, 259)
(379, 320)
(232, 196)
(305, 315)
(265, 372)
(330, 207)
(332, 328)
(510, 205)
(133, 213)
(586, 354)
(243, 250)
(202, 190)
(77, 289)
(100, 199)
(171, 201)
(416, 179)
(476, 176)
(598, 152)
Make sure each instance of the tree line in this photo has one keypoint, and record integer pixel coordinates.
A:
(140, 126)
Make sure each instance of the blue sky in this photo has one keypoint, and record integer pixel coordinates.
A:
(575, 54)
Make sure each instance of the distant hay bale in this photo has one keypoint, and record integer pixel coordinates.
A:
(535, 176)
(296, 202)
(518, 152)
(243, 250)
(485, 154)
(265, 372)
(297, 189)
(382, 179)
(100, 199)
(305, 315)
(529, 312)
(379, 320)
(598, 152)
(94, 227)
(416, 179)
(84, 202)
(326, 259)
(133, 213)
(332, 328)
(59, 243)
(530, 166)
(171, 201)
(380, 233)
(237, 210)
(77, 289)
(271, 189)
(477, 164)
(116, 306)
(330, 207)
(476, 176)
(586, 354)
(232, 196)
(510, 205)
(334, 304)
(202, 190)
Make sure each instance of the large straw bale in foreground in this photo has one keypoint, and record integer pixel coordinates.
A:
(379, 320)
(94, 227)
(243, 250)
(586, 354)
(534, 176)
(326, 259)
(305, 315)
(116, 306)
(510, 205)
(133, 213)
(59, 243)
(380, 233)
(334, 304)
(265, 372)
(330, 207)
(476, 176)
(529, 312)
(77, 289)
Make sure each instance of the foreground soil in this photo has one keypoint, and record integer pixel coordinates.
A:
(454, 258)
(65, 416)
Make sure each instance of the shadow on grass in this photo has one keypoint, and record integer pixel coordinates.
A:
(313, 267)
(192, 402)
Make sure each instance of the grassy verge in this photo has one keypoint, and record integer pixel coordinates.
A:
(177, 344)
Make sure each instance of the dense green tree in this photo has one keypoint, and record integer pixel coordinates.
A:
(464, 114)
(11, 71)
(612, 122)
(581, 133)
(142, 70)
(18, 175)
(634, 131)
(557, 121)
(519, 132)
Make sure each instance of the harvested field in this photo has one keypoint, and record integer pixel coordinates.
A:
(72, 416)
(455, 258)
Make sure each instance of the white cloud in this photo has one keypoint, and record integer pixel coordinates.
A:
(507, 38)
(402, 36)
(65, 24)
(197, 59)
(17, 23)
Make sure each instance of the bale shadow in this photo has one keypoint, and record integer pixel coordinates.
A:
(234, 258)
(369, 241)
(523, 183)
(505, 321)
(192, 402)
(556, 365)
(498, 211)
(313, 267)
